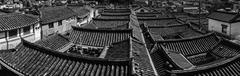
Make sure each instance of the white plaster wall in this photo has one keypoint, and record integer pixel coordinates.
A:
(3, 44)
(214, 25)
(70, 23)
(2, 40)
(13, 42)
(66, 25)
(29, 37)
(235, 29)
(37, 31)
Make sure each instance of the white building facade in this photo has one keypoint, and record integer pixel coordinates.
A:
(225, 23)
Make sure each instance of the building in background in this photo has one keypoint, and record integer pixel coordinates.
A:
(225, 22)
(16, 26)
(57, 19)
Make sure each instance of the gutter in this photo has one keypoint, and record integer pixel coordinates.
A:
(6, 39)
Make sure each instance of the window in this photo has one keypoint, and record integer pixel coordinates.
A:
(59, 23)
(224, 28)
(50, 25)
(26, 30)
(2, 35)
(13, 33)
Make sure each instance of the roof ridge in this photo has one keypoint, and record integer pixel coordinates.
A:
(227, 41)
(44, 49)
(16, 20)
(53, 36)
(192, 38)
(137, 41)
(128, 39)
(110, 19)
(169, 26)
(224, 62)
(236, 17)
(102, 30)
(156, 18)
(63, 37)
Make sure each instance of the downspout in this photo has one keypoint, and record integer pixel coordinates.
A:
(40, 24)
(6, 38)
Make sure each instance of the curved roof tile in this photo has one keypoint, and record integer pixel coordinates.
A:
(14, 21)
(98, 37)
(32, 59)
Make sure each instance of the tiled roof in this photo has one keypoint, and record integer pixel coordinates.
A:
(119, 50)
(81, 11)
(134, 24)
(191, 46)
(113, 17)
(225, 16)
(109, 23)
(100, 6)
(94, 25)
(141, 58)
(117, 10)
(226, 49)
(14, 21)
(186, 47)
(116, 14)
(159, 61)
(31, 59)
(52, 14)
(199, 48)
(185, 31)
(203, 59)
(178, 59)
(54, 42)
(186, 18)
(98, 37)
(131, 23)
(151, 15)
(229, 67)
(150, 9)
(159, 22)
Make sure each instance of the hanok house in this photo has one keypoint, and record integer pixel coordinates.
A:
(110, 44)
(84, 14)
(14, 26)
(144, 9)
(225, 22)
(203, 55)
(57, 19)
(33, 59)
